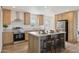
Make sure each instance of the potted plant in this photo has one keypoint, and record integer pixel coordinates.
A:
(5, 26)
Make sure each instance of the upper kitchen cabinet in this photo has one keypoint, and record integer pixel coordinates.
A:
(40, 19)
(64, 16)
(27, 18)
(59, 17)
(6, 16)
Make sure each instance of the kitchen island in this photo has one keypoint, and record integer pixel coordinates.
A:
(36, 40)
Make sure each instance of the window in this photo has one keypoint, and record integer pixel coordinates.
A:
(33, 20)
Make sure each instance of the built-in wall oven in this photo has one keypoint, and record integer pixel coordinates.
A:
(18, 34)
(18, 37)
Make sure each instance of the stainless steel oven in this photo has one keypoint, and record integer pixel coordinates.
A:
(18, 37)
(18, 34)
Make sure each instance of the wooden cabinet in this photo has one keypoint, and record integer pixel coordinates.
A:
(64, 16)
(40, 19)
(59, 17)
(34, 44)
(26, 36)
(27, 18)
(31, 43)
(71, 16)
(7, 38)
(6, 16)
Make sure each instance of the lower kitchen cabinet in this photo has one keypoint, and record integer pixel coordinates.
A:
(33, 44)
(7, 38)
(26, 36)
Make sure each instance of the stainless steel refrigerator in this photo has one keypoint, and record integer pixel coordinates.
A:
(62, 25)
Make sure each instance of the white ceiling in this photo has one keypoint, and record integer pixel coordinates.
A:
(48, 10)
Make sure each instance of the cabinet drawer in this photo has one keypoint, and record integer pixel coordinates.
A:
(26, 36)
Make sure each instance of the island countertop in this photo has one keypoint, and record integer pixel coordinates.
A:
(37, 41)
(40, 34)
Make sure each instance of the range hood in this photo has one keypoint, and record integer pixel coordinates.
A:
(17, 22)
(17, 19)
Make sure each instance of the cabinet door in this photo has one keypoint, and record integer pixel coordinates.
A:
(31, 43)
(65, 16)
(36, 45)
(27, 18)
(7, 38)
(6, 17)
(71, 26)
(59, 17)
(26, 36)
(40, 19)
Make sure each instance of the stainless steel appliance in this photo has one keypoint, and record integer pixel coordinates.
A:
(19, 37)
(18, 34)
(62, 25)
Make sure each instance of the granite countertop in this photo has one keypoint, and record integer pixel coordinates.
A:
(7, 30)
(39, 35)
(25, 30)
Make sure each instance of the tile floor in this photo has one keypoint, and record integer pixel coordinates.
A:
(23, 48)
(72, 48)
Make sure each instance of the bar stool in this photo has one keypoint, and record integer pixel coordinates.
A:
(47, 44)
(53, 45)
(57, 42)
